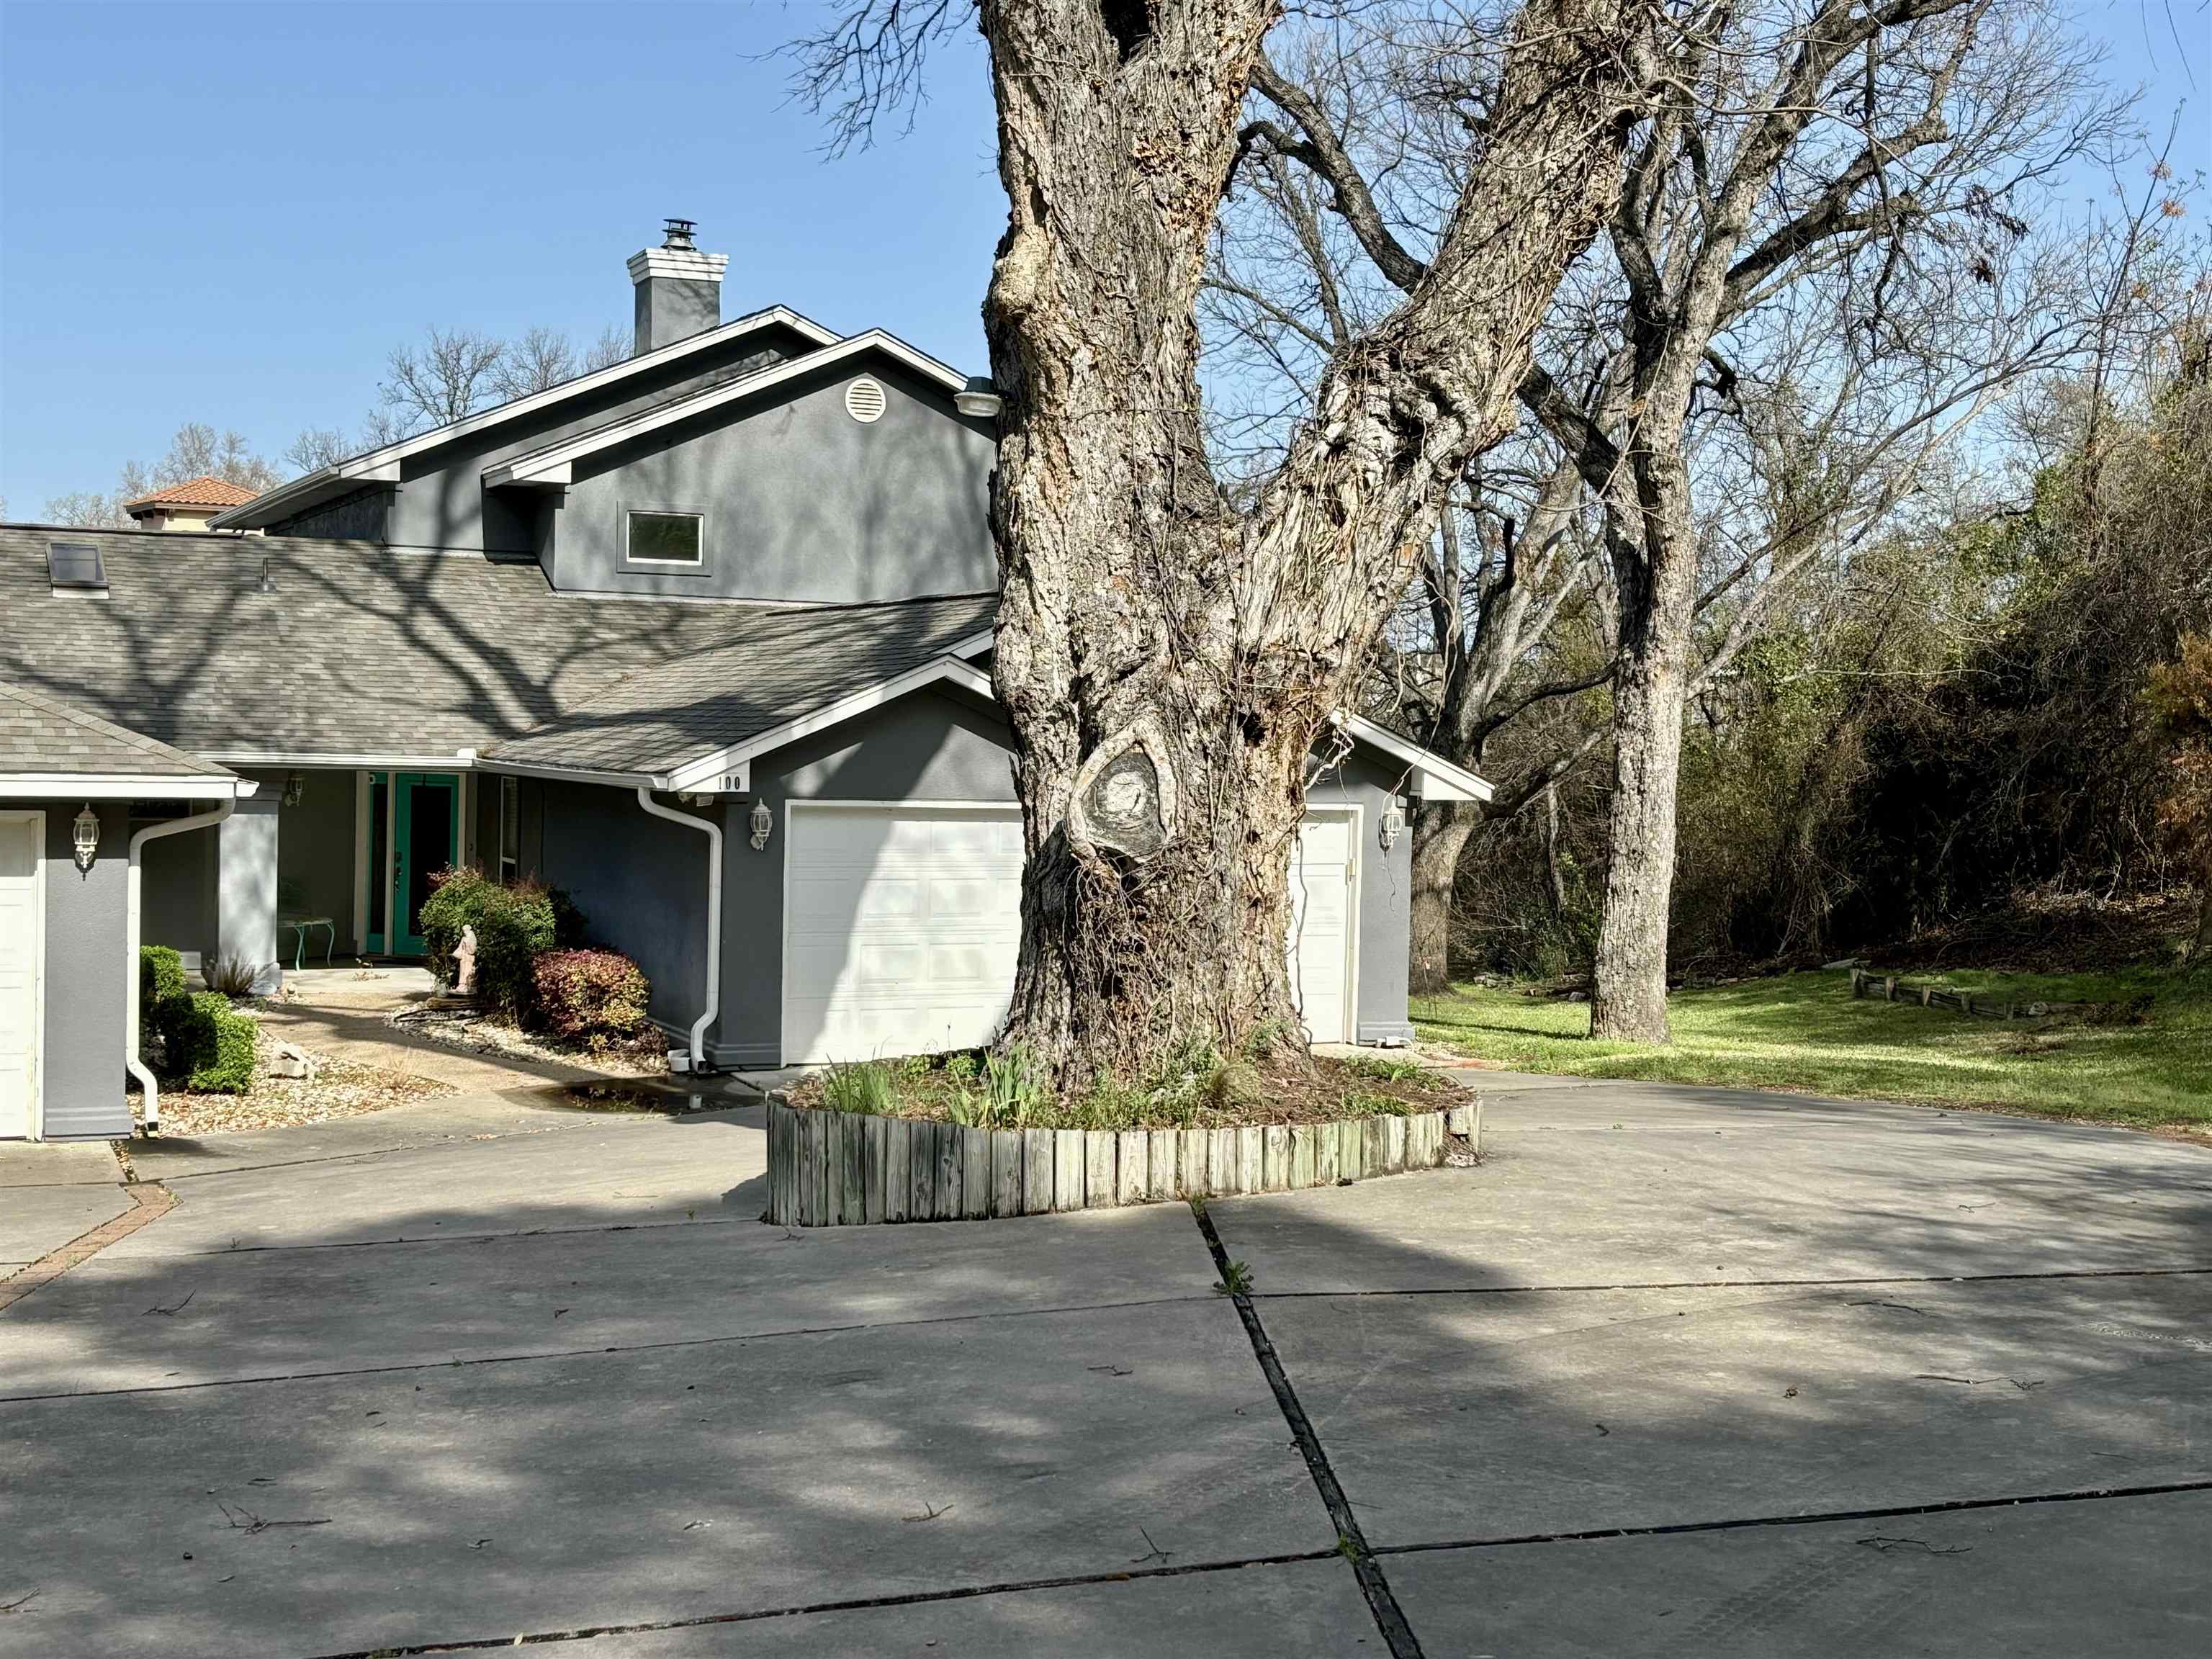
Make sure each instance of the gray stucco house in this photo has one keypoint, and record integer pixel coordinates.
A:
(702, 637)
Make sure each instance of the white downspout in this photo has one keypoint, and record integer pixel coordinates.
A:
(714, 833)
(131, 1060)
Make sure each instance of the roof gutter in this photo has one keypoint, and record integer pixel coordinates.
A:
(712, 831)
(132, 1063)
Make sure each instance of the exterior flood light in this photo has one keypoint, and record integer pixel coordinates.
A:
(763, 820)
(84, 834)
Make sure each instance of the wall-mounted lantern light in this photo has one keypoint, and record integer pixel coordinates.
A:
(761, 821)
(1391, 826)
(84, 834)
(295, 785)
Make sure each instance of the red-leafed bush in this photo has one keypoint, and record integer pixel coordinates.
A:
(597, 997)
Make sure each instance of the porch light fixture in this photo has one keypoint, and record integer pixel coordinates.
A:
(84, 836)
(761, 821)
(1391, 826)
(295, 785)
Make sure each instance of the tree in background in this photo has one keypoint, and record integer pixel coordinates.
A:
(451, 375)
(198, 451)
(2180, 697)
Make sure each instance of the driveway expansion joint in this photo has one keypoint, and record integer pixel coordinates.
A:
(861, 1604)
(1740, 1283)
(1811, 1518)
(1352, 1542)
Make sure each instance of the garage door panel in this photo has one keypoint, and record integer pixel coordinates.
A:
(902, 928)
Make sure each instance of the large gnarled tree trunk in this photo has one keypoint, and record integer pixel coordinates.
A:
(1166, 661)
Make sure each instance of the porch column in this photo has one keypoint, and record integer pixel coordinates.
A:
(245, 890)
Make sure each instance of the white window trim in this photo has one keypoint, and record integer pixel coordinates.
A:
(674, 567)
(34, 1112)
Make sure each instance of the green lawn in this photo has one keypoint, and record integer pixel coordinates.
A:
(1805, 1032)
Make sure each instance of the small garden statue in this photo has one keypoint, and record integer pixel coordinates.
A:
(465, 963)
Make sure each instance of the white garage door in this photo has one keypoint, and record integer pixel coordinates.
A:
(20, 947)
(1320, 927)
(901, 926)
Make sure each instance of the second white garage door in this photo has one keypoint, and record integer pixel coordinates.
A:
(902, 924)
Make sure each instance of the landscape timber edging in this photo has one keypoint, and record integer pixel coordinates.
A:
(830, 1168)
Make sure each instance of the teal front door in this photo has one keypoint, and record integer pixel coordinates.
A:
(426, 814)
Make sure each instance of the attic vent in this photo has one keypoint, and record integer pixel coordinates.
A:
(864, 400)
(74, 568)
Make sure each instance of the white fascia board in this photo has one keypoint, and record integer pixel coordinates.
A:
(945, 669)
(975, 646)
(656, 781)
(1435, 778)
(549, 465)
(389, 762)
(382, 465)
(120, 786)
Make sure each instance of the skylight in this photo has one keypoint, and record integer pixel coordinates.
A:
(75, 567)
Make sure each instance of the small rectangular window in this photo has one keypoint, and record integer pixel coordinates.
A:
(670, 538)
(510, 828)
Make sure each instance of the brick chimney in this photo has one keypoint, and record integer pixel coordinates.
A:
(679, 290)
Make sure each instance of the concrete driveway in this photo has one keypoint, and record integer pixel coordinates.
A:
(1675, 1371)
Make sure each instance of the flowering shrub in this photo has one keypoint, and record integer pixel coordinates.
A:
(597, 997)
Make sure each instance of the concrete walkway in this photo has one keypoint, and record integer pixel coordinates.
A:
(1675, 1371)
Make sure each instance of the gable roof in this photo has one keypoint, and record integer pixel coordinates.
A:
(303, 650)
(381, 464)
(48, 747)
(206, 490)
(550, 464)
(785, 666)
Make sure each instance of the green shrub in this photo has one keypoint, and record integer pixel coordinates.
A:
(161, 977)
(514, 926)
(861, 1086)
(594, 997)
(212, 1045)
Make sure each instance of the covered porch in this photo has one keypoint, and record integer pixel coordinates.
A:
(326, 864)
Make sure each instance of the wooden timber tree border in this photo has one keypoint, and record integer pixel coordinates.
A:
(829, 1169)
(1890, 988)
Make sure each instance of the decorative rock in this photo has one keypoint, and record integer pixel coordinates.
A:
(290, 1060)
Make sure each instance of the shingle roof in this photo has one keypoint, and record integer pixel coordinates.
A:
(233, 645)
(207, 492)
(40, 734)
(786, 665)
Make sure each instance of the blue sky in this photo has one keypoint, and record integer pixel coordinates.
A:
(231, 213)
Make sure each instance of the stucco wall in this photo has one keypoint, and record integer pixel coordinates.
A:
(176, 890)
(641, 884)
(82, 1046)
(439, 501)
(801, 501)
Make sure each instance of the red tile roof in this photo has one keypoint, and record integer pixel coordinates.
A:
(196, 492)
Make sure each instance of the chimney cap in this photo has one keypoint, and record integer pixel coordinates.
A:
(677, 233)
